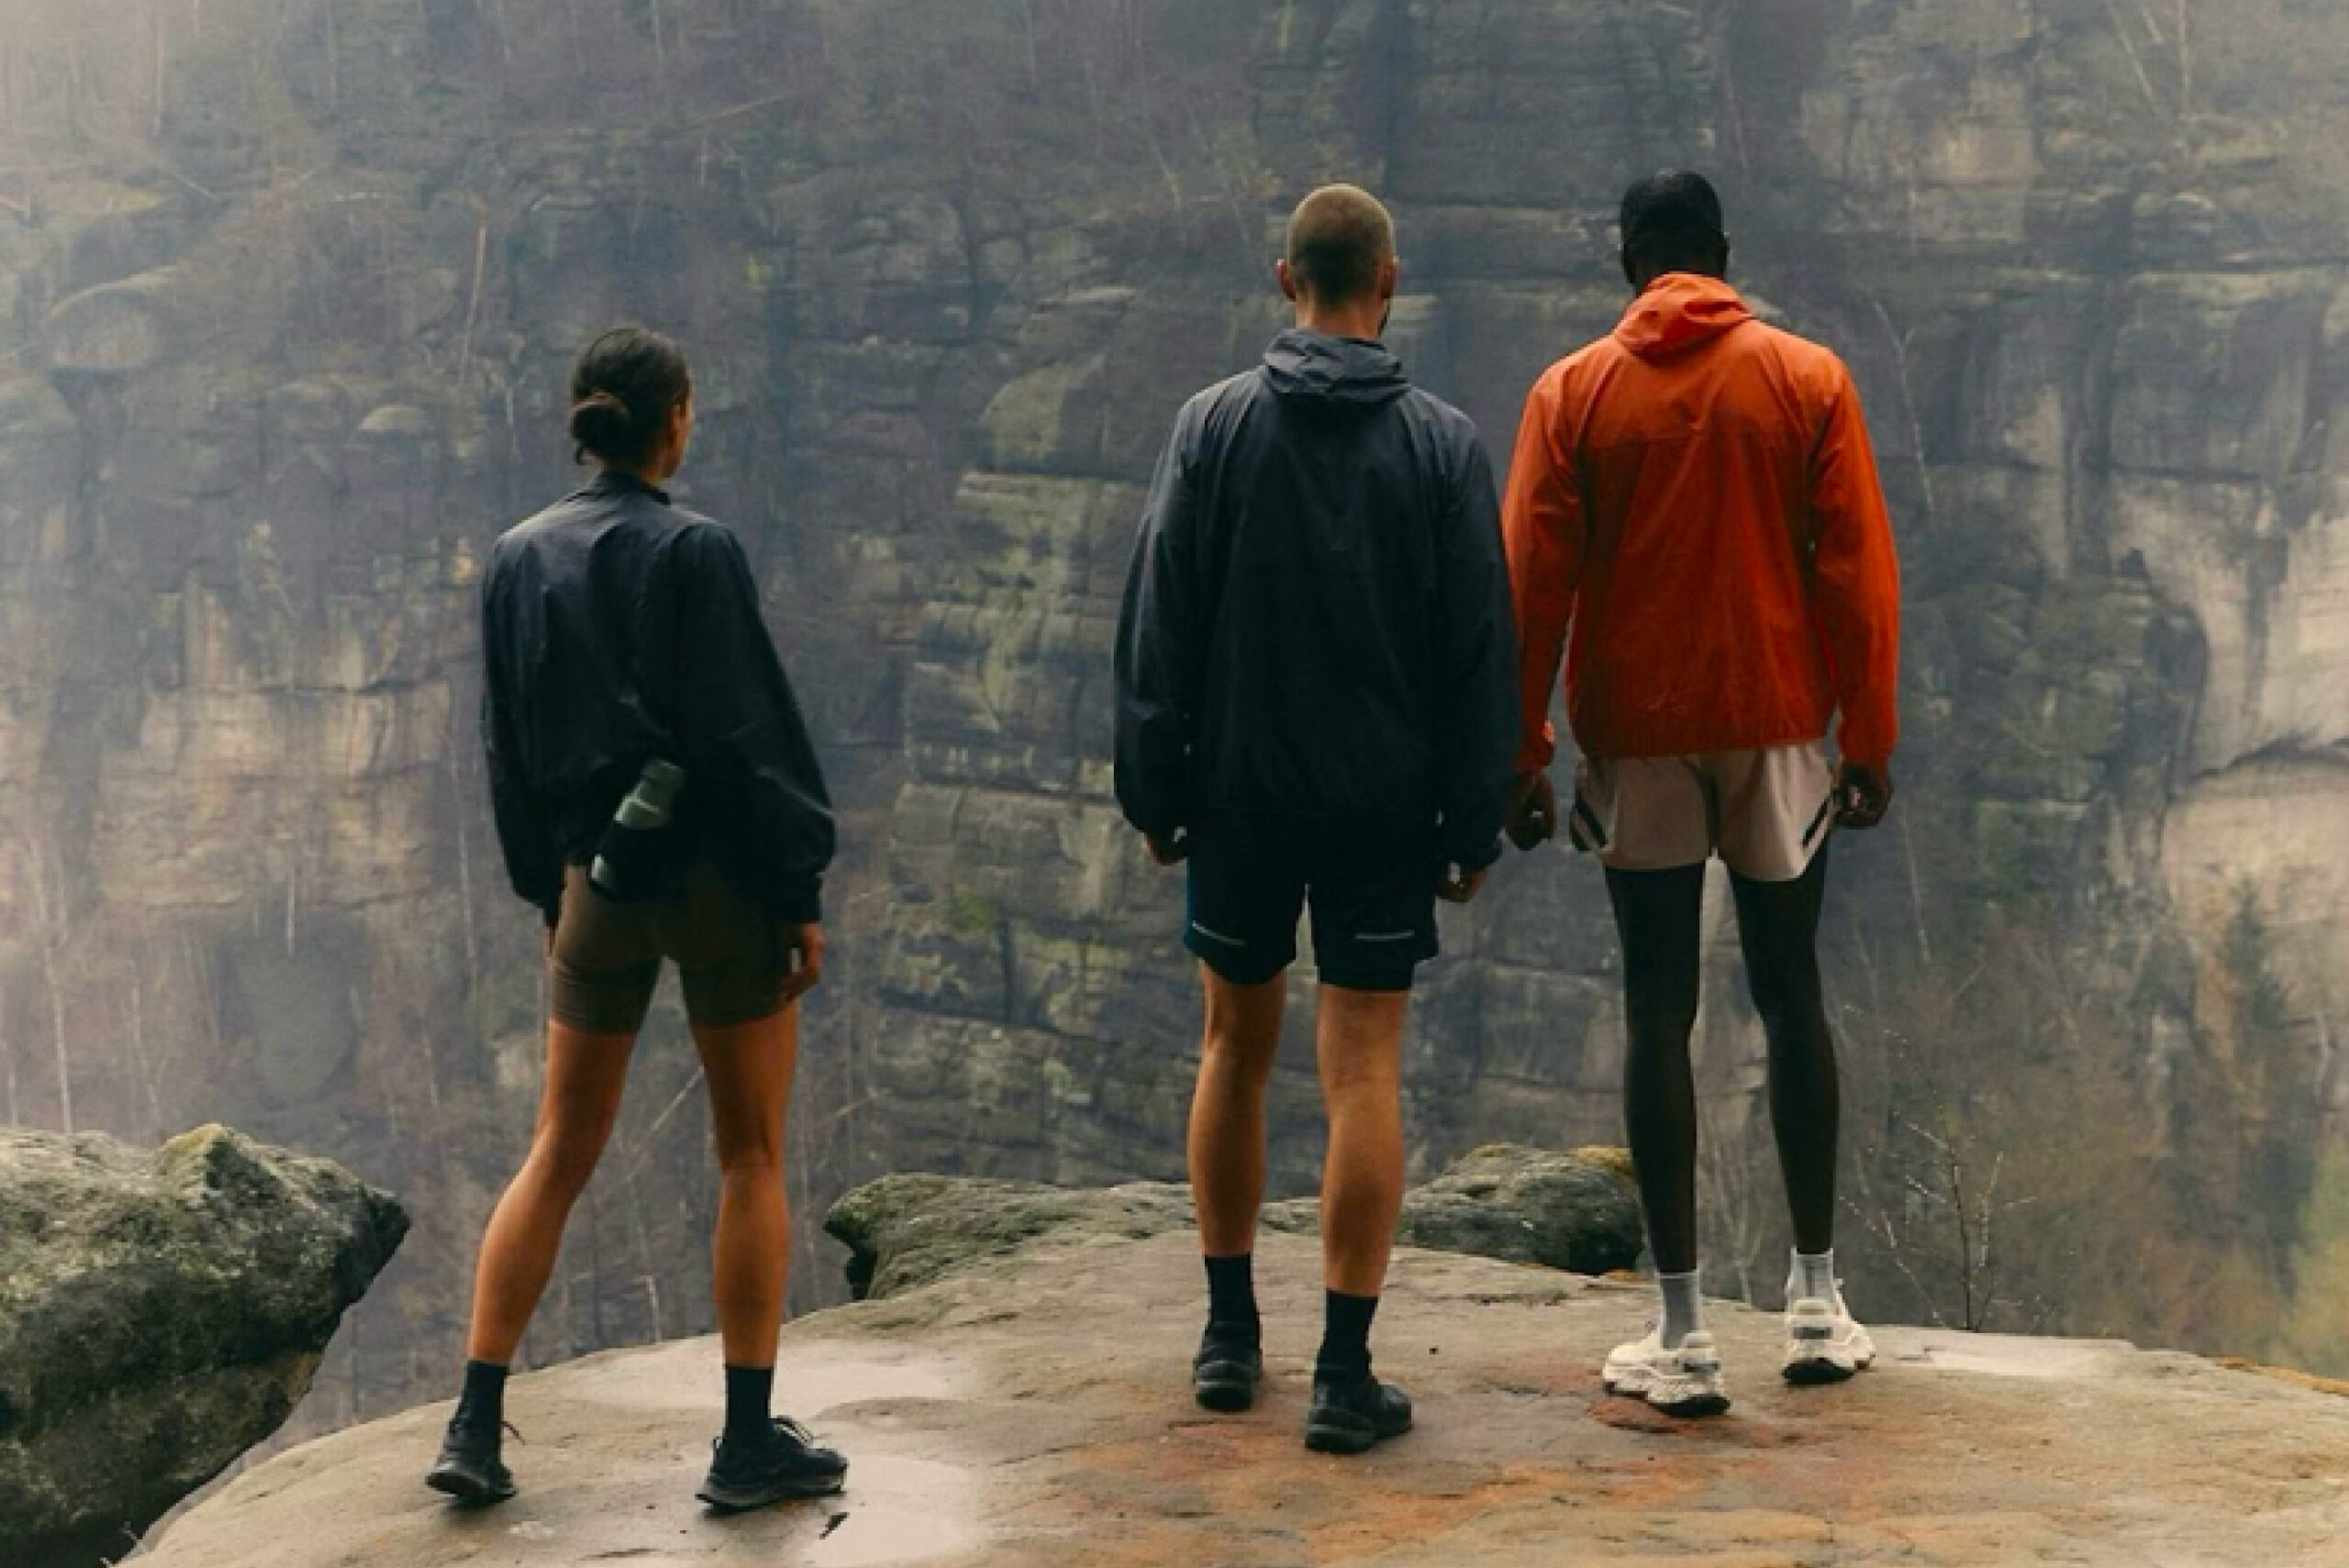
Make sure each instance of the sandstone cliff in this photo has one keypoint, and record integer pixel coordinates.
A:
(289, 286)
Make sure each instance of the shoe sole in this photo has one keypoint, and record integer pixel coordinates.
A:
(727, 1500)
(1224, 1395)
(1825, 1368)
(1815, 1361)
(1694, 1407)
(467, 1489)
(1346, 1437)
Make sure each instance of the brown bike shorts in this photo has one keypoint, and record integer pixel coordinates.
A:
(605, 958)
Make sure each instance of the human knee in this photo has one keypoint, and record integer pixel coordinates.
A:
(1792, 1006)
(567, 1158)
(1234, 1050)
(1237, 1069)
(1365, 1080)
(756, 1158)
(1662, 1019)
(1244, 1012)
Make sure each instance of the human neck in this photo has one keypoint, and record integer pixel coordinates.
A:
(1649, 277)
(1366, 322)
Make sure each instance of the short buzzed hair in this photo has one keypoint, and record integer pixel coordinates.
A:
(1673, 221)
(1337, 241)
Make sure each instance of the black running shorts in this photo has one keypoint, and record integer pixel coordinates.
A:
(1371, 888)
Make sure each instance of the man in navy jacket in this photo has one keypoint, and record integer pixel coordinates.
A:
(1315, 706)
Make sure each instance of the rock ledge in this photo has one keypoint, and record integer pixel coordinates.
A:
(1031, 1411)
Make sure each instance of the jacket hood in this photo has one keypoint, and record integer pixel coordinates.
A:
(1680, 312)
(1336, 370)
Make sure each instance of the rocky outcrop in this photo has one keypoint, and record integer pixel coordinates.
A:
(1034, 1411)
(160, 1314)
(1575, 1212)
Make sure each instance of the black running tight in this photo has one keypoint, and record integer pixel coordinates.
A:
(1660, 917)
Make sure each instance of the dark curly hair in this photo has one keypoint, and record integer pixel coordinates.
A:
(623, 390)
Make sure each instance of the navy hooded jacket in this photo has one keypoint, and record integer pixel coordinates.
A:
(1317, 624)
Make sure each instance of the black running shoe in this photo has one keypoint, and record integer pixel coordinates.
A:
(1226, 1372)
(776, 1466)
(469, 1468)
(1353, 1415)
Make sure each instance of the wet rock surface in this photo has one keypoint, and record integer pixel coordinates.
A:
(1033, 1411)
(160, 1312)
(1577, 1212)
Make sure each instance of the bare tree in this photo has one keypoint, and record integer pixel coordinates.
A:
(49, 935)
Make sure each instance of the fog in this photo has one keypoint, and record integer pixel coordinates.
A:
(288, 289)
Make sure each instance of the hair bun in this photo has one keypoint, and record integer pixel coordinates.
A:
(598, 420)
(627, 387)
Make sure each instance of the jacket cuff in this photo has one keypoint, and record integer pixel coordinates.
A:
(799, 903)
(1483, 856)
(1865, 746)
(1163, 821)
(1538, 752)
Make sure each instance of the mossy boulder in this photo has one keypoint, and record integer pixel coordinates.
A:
(160, 1314)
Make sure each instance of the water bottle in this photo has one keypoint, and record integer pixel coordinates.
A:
(628, 868)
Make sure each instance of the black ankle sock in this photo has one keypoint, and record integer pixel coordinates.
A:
(1231, 1295)
(750, 1399)
(1345, 1336)
(482, 1403)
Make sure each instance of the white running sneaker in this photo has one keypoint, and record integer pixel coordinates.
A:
(1684, 1382)
(1824, 1343)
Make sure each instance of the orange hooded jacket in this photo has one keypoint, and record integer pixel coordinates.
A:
(1695, 499)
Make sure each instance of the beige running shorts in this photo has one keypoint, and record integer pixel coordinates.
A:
(1765, 814)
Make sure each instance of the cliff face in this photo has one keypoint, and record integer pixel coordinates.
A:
(290, 289)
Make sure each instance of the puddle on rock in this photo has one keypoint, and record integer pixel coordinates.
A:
(895, 1512)
(2006, 1356)
(809, 1380)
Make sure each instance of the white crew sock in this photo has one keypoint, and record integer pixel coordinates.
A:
(1684, 1307)
(1813, 1278)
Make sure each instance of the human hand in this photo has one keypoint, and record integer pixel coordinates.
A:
(1170, 851)
(804, 952)
(1532, 816)
(1863, 794)
(1456, 887)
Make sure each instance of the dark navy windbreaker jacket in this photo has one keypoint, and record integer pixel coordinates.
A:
(618, 628)
(1317, 624)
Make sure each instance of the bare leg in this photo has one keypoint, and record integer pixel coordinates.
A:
(1360, 1045)
(749, 1068)
(585, 1077)
(1227, 1139)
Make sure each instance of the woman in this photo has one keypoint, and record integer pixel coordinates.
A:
(619, 632)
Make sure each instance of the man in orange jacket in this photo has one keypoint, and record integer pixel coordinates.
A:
(1695, 504)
